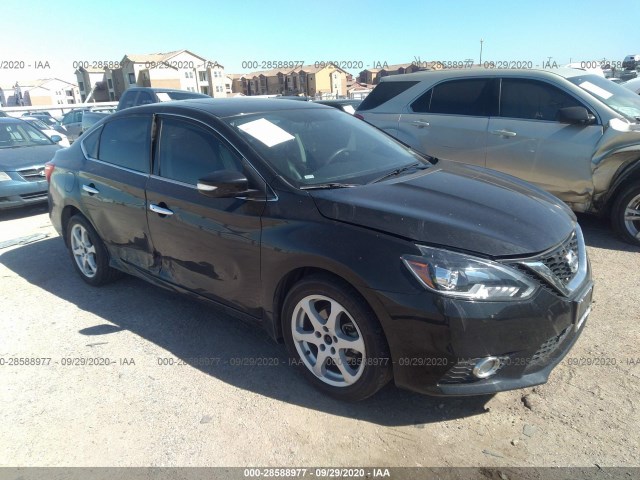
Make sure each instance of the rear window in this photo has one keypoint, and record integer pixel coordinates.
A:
(384, 92)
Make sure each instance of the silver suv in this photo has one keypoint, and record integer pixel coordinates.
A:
(574, 134)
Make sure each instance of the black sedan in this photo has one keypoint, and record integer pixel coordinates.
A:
(23, 152)
(368, 259)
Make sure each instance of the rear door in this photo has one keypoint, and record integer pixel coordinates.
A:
(450, 120)
(208, 245)
(526, 139)
(112, 186)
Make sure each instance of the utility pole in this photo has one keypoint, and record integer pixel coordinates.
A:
(481, 40)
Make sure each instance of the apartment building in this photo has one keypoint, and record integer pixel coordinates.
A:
(48, 91)
(372, 76)
(92, 84)
(325, 82)
(180, 69)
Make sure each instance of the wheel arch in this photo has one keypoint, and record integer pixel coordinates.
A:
(293, 276)
(630, 175)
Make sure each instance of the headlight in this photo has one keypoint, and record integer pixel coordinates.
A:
(4, 177)
(463, 276)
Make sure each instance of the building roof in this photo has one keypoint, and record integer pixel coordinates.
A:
(157, 57)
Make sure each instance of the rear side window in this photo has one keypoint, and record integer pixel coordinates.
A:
(144, 98)
(125, 142)
(384, 92)
(533, 100)
(457, 97)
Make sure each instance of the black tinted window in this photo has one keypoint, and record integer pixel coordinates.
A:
(144, 98)
(127, 99)
(125, 142)
(384, 92)
(188, 152)
(534, 100)
(422, 103)
(462, 97)
(90, 143)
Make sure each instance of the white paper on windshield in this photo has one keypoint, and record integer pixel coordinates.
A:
(601, 92)
(267, 132)
(349, 109)
(163, 97)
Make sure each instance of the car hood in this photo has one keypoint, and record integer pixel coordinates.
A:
(456, 206)
(12, 159)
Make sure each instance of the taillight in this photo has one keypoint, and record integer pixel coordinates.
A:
(357, 115)
(48, 170)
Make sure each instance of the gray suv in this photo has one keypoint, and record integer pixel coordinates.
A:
(574, 134)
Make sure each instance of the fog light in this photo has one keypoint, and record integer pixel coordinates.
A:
(486, 367)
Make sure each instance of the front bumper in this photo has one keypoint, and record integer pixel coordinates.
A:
(20, 193)
(436, 341)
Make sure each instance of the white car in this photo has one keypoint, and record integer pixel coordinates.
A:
(44, 128)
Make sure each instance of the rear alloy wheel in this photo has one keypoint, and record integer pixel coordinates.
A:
(90, 257)
(334, 337)
(626, 215)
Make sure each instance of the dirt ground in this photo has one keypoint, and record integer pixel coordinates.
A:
(152, 406)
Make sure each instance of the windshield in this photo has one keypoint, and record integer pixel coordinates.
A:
(616, 97)
(14, 135)
(39, 124)
(314, 147)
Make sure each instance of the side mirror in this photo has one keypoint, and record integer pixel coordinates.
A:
(56, 138)
(575, 115)
(223, 184)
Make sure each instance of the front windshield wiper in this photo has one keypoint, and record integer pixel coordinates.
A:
(325, 186)
(398, 171)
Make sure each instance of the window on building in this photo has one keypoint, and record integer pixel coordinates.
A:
(132, 78)
(110, 83)
(204, 90)
(202, 76)
(81, 85)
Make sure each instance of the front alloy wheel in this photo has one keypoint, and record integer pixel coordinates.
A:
(335, 338)
(626, 215)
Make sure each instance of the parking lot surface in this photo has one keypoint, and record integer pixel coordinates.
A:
(130, 375)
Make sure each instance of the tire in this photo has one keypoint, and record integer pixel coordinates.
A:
(343, 318)
(625, 215)
(88, 253)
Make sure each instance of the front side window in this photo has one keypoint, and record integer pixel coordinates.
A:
(457, 97)
(188, 152)
(533, 100)
(125, 142)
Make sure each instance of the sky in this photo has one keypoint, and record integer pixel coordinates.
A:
(54, 35)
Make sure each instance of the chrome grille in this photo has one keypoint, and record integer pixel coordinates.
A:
(564, 267)
(33, 174)
(557, 261)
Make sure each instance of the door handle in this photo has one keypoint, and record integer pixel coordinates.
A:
(503, 133)
(420, 123)
(160, 210)
(90, 189)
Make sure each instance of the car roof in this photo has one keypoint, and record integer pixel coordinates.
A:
(164, 90)
(10, 120)
(229, 107)
(436, 75)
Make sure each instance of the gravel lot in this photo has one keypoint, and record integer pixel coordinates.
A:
(137, 411)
